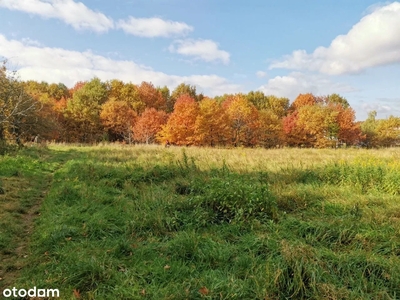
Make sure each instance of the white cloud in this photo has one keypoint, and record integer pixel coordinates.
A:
(29, 41)
(66, 66)
(299, 83)
(382, 111)
(153, 27)
(72, 13)
(261, 74)
(383, 106)
(206, 50)
(373, 41)
(379, 108)
(81, 17)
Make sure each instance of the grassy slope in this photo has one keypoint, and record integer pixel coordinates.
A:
(148, 222)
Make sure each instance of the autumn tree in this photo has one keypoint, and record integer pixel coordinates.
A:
(243, 118)
(52, 97)
(76, 87)
(114, 88)
(344, 128)
(18, 110)
(212, 124)
(127, 92)
(303, 100)
(150, 96)
(270, 129)
(184, 89)
(149, 124)
(60, 131)
(336, 99)
(271, 111)
(223, 98)
(276, 105)
(118, 119)
(58, 91)
(349, 130)
(388, 132)
(319, 124)
(37, 90)
(180, 128)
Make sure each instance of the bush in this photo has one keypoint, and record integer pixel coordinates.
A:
(232, 198)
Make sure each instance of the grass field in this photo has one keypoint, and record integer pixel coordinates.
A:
(145, 222)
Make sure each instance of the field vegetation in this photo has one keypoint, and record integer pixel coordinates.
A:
(148, 222)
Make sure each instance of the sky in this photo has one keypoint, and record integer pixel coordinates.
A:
(282, 48)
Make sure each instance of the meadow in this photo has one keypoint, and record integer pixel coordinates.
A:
(148, 222)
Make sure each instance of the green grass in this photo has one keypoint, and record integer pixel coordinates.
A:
(153, 223)
(24, 181)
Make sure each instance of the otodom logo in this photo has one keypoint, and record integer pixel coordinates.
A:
(33, 292)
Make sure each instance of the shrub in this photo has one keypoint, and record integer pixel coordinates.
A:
(233, 198)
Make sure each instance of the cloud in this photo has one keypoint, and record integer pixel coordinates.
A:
(261, 74)
(29, 41)
(81, 17)
(377, 107)
(153, 27)
(66, 66)
(383, 106)
(296, 83)
(206, 50)
(373, 41)
(72, 13)
(382, 111)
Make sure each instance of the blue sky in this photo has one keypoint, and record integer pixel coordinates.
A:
(282, 48)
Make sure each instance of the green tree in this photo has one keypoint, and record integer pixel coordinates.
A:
(83, 111)
(181, 90)
(337, 99)
(58, 91)
(166, 94)
(368, 128)
(278, 106)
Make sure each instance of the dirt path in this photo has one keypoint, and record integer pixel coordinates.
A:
(19, 208)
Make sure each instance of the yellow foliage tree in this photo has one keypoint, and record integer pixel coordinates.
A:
(212, 124)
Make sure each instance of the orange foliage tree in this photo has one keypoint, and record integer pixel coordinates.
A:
(349, 131)
(180, 128)
(320, 122)
(151, 96)
(118, 118)
(304, 100)
(148, 124)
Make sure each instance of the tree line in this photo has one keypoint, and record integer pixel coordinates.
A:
(95, 111)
